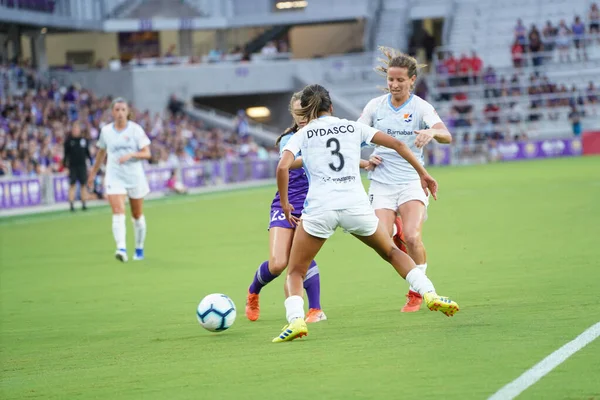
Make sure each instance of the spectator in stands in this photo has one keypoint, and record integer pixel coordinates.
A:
(534, 33)
(549, 39)
(563, 41)
(242, 126)
(515, 86)
(575, 118)
(503, 87)
(578, 29)
(515, 114)
(440, 66)
(576, 97)
(462, 107)
(175, 106)
(520, 32)
(492, 113)
(174, 185)
(535, 48)
(517, 51)
(564, 96)
(594, 18)
(476, 66)
(214, 55)
(451, 69)
(592, 94)
(490, 82)
(269, 49)
(464, 69)
(534, 114)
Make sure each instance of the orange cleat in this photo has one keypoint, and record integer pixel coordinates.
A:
(399, 236)
(413, 302)
(252, 307)
(315, 315)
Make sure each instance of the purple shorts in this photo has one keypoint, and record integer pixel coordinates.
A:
(278, 219)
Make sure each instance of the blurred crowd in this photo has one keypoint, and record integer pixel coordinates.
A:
(35, 122)
(535, 47)
(488, 105)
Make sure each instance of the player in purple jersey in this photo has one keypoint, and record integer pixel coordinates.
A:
(281, 234)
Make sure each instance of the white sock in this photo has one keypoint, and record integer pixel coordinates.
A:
(139, 231)
(422, 267)
(394, 230)
(419, 282)
(118, 228)
(294, 308)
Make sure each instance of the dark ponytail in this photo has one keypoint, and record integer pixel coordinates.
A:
(315, 100)
(294, 128)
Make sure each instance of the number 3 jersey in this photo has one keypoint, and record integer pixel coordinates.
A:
(330, 149)
(401, 123)
(298, 184)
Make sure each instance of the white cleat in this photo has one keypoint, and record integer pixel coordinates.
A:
(121, 255)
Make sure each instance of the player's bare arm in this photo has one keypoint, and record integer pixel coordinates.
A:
(283, 180)
(143, 154)
(100, 156)
(439, 132)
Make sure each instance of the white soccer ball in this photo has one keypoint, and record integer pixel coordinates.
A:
(216, 312)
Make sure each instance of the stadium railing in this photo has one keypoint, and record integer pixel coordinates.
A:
(52, 189)
(262, 133)
(24, 191)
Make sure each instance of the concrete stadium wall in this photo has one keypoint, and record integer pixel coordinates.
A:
(150, 88)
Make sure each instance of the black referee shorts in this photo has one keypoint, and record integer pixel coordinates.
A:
(78, 174)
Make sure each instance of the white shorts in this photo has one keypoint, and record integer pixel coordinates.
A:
(360, 222)
(391, 197)
(137, 192)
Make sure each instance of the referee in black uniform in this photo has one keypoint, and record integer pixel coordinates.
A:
(77, 152)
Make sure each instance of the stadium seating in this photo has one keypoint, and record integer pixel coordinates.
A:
(488, 28)
(46, 6)
(163, 9)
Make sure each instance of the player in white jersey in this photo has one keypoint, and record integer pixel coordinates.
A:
(330, 148)
(126, 145)
(395, 186)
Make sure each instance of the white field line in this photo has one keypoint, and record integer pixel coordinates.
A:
(538, 371)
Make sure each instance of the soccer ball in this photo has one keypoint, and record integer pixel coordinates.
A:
(216, 312)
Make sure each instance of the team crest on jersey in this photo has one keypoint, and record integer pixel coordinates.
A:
(407, 117)
(126, 138)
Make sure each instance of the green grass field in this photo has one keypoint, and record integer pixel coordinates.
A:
(517, 245)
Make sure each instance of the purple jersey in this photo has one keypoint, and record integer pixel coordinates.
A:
(297, 191)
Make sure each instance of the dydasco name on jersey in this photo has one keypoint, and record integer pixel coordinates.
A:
(330, 131)
(399, 133)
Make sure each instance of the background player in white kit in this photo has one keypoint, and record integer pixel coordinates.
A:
(126, 145)
(395, 185)
(330, 149)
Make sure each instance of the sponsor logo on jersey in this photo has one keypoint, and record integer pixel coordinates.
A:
(399, 133)
(407, 117)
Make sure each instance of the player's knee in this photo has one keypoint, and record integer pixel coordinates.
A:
(297, 271)
(136, 214)
(277, 265)
(412, 239)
